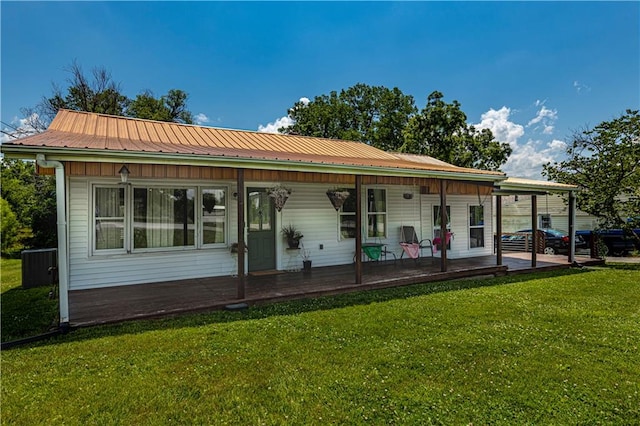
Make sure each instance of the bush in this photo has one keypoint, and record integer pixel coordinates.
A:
(9, 224)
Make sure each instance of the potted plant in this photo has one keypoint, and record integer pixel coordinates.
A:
(280, 194)
(306, 260)
(337, 196)
(292, 235)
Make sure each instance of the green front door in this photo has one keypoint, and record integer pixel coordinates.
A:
(261, 236)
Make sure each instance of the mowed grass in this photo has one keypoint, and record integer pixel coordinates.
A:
(554, 348)
(24, 312)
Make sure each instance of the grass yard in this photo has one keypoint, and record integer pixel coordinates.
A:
(25, 312)
(554, 348)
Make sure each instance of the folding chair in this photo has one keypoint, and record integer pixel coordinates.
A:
(411, 245)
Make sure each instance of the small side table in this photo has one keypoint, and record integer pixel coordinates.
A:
(292, 264)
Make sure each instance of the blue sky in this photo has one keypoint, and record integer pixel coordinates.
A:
(532, 72)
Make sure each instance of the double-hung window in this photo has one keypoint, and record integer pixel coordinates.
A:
(376, 213)
(109, 218)
(150, 218)
(476, 226)
(347, 215)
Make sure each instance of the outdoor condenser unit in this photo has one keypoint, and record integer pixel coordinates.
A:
(39, 267)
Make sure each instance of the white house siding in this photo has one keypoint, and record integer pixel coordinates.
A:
(308, 208)
(460, 245)
(516, 215)
(87, 271)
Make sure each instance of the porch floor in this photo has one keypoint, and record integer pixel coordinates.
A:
(122, 303)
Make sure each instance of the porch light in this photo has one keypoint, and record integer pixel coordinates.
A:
(124, 174)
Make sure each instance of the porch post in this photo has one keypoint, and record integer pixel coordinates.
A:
(572, 225)
(534, 229)
(498, 230)
(358, 229)
(241, 244)
(443, 225)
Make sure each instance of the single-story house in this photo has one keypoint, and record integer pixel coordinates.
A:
(142, 201)
(552, 213)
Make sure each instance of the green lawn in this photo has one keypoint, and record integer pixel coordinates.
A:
(555, 348)
(25, 312)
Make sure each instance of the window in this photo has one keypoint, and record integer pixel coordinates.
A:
(476, 226)
(436, 226)
(544, 221)
(109, 209)
(141, 218)
(163, 217)
(348, 215)
(214, 216)
(376, 213)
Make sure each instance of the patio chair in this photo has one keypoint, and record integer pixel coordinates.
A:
(411, 245)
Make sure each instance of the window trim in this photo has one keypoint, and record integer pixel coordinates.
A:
(470, 227)
(128, 248)
(385, 213)
(341, 213)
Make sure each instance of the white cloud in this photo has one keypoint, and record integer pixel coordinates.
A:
(280, 122)
(20, 128)
(527, 158)
(201, 118)
(557, 145)
(273, 127)
(544, 115)
(499, 124)
(580, 87)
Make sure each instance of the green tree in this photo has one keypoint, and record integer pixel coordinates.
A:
(9, 226)
(100, 93)
(441, 131)
(32, 198)
(604, 162)
(375, 115)
(170, 107)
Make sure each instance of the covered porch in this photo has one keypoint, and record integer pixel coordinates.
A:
(154, 300)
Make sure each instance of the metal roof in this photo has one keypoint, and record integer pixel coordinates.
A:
(82, 133)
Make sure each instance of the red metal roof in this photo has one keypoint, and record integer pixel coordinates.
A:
(99, 132)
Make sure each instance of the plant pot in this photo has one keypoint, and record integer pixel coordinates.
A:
(293, 243)
(306, 265)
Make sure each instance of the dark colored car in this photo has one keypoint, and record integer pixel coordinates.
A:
(557, 241)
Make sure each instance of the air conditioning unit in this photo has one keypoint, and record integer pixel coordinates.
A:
(39, 267)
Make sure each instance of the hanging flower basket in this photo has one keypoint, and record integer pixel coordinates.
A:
(280, 194)
(337, 197)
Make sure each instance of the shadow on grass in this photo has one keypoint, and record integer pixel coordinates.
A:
(297, 306)
(27, 312)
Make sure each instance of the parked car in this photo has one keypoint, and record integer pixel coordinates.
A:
(556, 241)
(614, 242)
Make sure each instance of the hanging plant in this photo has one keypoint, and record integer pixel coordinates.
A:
(280, 194)
(337, 197)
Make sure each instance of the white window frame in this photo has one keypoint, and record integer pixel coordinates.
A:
(200, 221)
(384, 214)
(128, 248)
(484, 220)
(342, 213)
(541, 218)
(94, 217)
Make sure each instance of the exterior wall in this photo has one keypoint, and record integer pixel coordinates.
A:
(308, 208)
(87, 271)
(516, 215)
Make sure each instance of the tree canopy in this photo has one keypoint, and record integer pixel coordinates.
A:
(441, 131)
(604, 162)
(389, 120)
(375, 115)
(100, 93)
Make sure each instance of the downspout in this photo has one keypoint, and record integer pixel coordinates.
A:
(63, 269)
